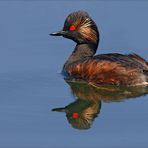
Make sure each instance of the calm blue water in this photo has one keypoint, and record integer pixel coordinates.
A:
(30, 83)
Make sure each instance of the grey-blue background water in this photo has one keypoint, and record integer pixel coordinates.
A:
(30, 83)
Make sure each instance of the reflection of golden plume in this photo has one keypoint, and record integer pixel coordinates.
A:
(82, 112)
(91, 112)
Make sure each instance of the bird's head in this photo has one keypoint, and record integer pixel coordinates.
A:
(80, 28)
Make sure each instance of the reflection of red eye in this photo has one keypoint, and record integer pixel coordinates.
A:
(72, 28)
(75, 115)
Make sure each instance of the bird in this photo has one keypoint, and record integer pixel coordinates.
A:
(84, 65)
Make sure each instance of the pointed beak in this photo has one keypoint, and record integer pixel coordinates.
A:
(59, 109)
(59, 33)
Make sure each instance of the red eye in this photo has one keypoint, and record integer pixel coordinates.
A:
(72, 28)
(75, 115)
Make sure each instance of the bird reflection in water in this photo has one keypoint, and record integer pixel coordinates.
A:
(82, 112)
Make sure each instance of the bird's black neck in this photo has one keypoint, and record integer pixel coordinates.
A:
(81, 51)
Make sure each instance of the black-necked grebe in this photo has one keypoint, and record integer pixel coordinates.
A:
(112, 68)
